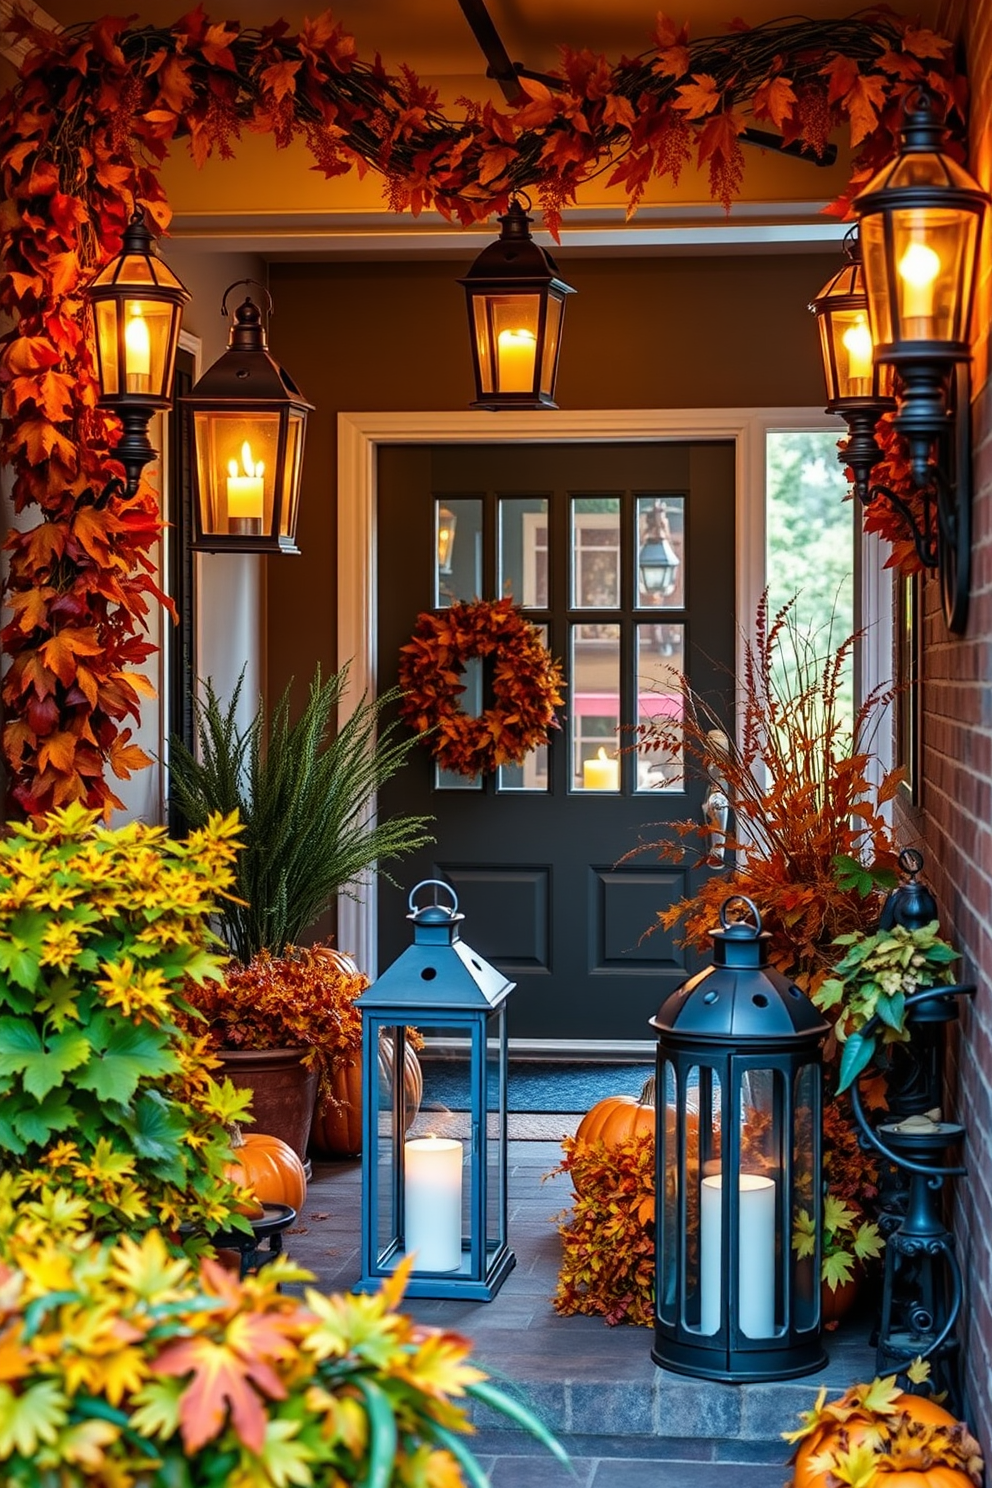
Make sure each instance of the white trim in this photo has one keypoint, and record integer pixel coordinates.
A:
(877, 645)
(361, 434)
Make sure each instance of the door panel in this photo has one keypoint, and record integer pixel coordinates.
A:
(624, 554)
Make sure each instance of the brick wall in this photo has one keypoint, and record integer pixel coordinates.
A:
(955, 816)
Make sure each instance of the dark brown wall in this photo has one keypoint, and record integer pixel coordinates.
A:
(640, 333)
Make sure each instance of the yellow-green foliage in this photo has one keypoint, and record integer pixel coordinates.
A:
(607, 1266)
(124, 1365)
(109, 1118)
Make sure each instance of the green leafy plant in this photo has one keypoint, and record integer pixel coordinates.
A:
(108, 1111)
(876, 975)
(304, 792)
(847, 1238)
(126, 1365)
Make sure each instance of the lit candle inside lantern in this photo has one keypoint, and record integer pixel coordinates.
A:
(918, 269)
(433, 1200)
(245, 493)
(756, 1248)
(516, 351)
(601, 773)
(137, 352)
(858, 345)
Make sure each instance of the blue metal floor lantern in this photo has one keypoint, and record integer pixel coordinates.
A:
(738, 1143)
(434, 1179)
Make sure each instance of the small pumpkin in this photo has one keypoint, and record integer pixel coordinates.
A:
(337, 1121)
(617, 1117)
(918, 1430)
(269, 1168)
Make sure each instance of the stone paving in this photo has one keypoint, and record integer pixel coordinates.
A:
(625, 1423)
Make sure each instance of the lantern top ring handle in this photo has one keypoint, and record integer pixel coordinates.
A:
(257, 284)
(727, 922)
(435, 884)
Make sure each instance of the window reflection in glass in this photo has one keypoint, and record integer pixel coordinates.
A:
(471, 703)
(523, 550)
(595, 552)
(457, 549)
(532, 774)
(660, 665)
(595, 707)
(660, 556)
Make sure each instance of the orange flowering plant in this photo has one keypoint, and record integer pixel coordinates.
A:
(527, 685)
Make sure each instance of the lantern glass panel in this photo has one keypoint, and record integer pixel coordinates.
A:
(148, 346)
(237, 465)
(105, 312)
(495, 1136)
(850, 358)
(506, 331)
(703, 1301)
(806, 1285)
(669, 1187)
(552, 339)
(760, 1197)
(931, 256)
(293, 465)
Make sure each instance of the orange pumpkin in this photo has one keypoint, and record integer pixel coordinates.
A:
(619, 1116)
(270, 1169)
(337, 1121)
(830, 1434)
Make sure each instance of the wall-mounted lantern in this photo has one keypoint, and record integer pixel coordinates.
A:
(249, 423)
(434, 1181)
(447, 522)
(921, 220)
(516, 306)
(738, 1138)
(137, 312)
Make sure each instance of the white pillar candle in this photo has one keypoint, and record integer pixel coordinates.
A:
(516, 351)
(756, 1284)
(433, 1199)
(601, 773)
(137, 351)
(245, 493)
(918, 269)
(858, 345)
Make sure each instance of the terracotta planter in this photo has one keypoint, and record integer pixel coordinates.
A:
(283, 1091)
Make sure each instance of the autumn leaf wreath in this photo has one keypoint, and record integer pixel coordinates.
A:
(526, 685)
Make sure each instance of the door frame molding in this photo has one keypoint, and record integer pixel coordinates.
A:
(359, 438)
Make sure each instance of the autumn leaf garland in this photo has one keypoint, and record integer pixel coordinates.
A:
(82, 138)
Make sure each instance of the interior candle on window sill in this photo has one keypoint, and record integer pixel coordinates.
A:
(756, 1248)
(245, 493)
(433, 1203)
(601, 773)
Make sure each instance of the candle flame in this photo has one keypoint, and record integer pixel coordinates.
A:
(857, 339)
(253, 469)
(602, 753)
(516, 338)
(136, 339)
(919, 265)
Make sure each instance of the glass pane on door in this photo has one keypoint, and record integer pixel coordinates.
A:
(523, 550)
(660, 665)
(457, 549)
(595, 552)
(595, 707)
(660, 552)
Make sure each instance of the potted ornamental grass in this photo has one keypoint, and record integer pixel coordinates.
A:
(283, 1020)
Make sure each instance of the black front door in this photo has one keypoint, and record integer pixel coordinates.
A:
(624, 553)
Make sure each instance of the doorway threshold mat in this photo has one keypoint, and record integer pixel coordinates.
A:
(550, 1088)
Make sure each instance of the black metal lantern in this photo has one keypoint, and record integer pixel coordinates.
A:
(434, 1179)
(447, 522)
(921, 220)
(249, 423)
(739, 1100)
(137, 312)
(859, 387)
(516, 305)
(657, 560)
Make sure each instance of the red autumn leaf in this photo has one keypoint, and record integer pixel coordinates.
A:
(494, 162)
(225, 1375)
(899, 65)
(774, 100)
(59, 751)
(216, 46)
(719, 137)
(125, 757)
(30, 606)
(29, 354)
(63, 273)
(91, 528)
(842, 73)
(543, 106)
(618, 112)
(43, 544)
(17, 737)
(700, 97)
(60, 651)
(867, 95)
(176, 91)
(280, 79)
(55, 392)
(15, 157)
(924, 43)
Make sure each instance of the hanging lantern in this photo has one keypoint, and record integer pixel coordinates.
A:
(859, 387)
(434, 1182)
(921, 220)
(447, 521)
(137, 312)
(249, 422)
(516, 304)
(739, 1099)
(657, 561)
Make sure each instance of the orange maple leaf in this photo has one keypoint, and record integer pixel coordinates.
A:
(44, 543)
(27, 354)
(719, 137)
(700, 97)
(126, 757)
(924, 43)
(866, 96)
(59, 751)
(842, 73)
(280, 79)
(775, 100)
(92, 529)
(216, 46)
(176, 91)
(59, 652)
(543, 106)
(494, 162)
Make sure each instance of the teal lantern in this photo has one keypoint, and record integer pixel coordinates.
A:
(434, 1179)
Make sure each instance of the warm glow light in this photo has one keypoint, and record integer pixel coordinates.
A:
(601, 773)
(858, 345)
(517, 352)
(138, 352)
(918, 268)
(245, 493)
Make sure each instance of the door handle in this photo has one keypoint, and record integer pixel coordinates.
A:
(716, 803)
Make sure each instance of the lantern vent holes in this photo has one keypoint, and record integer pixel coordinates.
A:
(242, 372)
(711, 997)
(429, 973)
(476, 964)
(794, 991)
(760, 1000)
